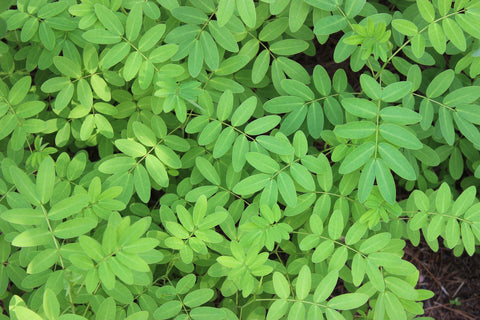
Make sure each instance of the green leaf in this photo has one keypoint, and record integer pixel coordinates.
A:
(370, 86)
(207, 170)
(275, 145)
(117, 164)
(400, 136)
(262, 125)
(335, 225)
(156, 170)
(142, 184)
(396, 91)
(329, 24)
(251, 184)
(24, 313)
(262, 162)
(375, 243)
(134, 22)
(144, 134)
(246, 9)
(19, 90)
(45, 180)
(168, 310)
(321, 80)
(348, 301)
(301, 175)
(108, 19)
(23, 216)
(280, 285)
(393, 306)
(355, 129)
(189, 14)
(360, 107)
(326, 287)
(468, 238)
(405, 27)
(440, 83)
(130, 148)
(283, 104)
(225, 11)
(24, 185)
(426, 10)
(207, 313)
(74, 228)
(43, 261)
(454, 33)
(437, 37)
(168, 157)
(225, 105)
(116, 54)
(357, 158)
(132, 65)
(323, 4)
(401, 288)
(223, 37)
(443, 198)
(198, 297)
(286, 188)
(304, 282)
(399, 115)
(365, 183)
(446, 125)
(385, 181)
(396, 161)
(67, 67)
(32, 238)
(464, 201)
(100, 87)
(354, 7)
(288, 47)
(151, 37)
(51, 306)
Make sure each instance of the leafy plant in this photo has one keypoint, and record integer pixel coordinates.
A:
(173, 159)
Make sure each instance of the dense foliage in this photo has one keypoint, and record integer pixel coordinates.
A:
(171, 159)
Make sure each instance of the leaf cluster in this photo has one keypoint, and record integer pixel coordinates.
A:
(172, 159)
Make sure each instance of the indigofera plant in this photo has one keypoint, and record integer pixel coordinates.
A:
(174, 159)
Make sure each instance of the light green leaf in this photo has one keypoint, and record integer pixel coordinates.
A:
(262, 162)
(355, 129)
(304, 282)
(286, 187)
(360, 107)
(207, 170)
(326, 287)
(32, 238)
(251, 184)
(19, 90)
(43, 261)
(426, 10)
(443, 198)
(246, 9)
(385, 181)
(130, 148)
(108, 19)
(400, 136)
(396, 161)
(440, 83)
(329, 25)
(74, 228)
(348, 301)
(357, 158)
(280, 285)
(198, 297)
(405, 27)
(437, 37)
(396, 91)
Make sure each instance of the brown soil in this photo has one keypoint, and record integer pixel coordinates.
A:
(454, 280)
